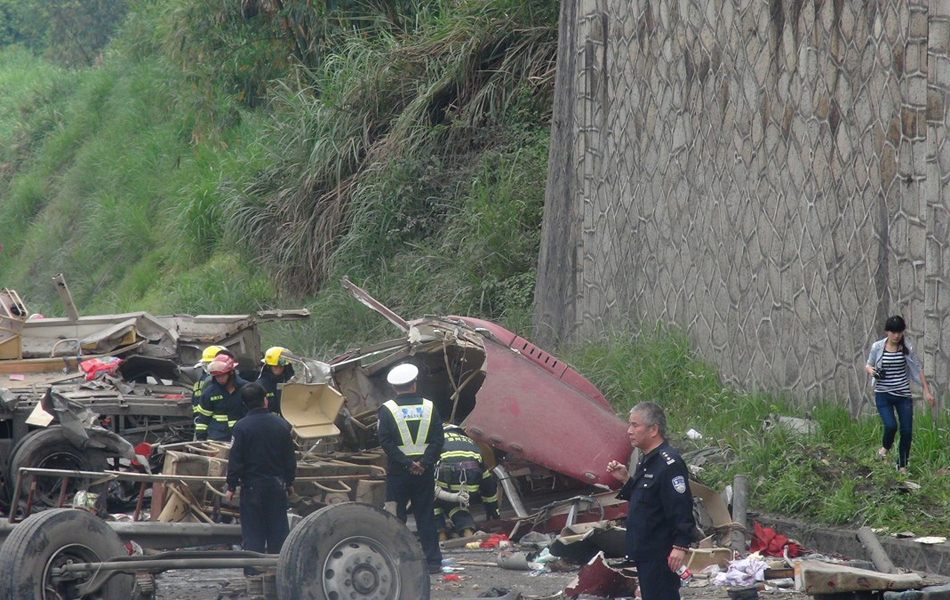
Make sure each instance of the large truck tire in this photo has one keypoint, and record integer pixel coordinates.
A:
(48, 448)
(351, 550)
(53, 538)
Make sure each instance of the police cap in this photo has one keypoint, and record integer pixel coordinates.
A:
(403, 374)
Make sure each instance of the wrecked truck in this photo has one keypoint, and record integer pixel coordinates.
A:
(147, 398)
(545, 430)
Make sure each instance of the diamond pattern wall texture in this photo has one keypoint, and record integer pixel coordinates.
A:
(770, 176)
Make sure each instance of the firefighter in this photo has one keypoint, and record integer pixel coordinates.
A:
(275, 369)
(462, 479)
(207, 356)
(220, 406)
(410, 434)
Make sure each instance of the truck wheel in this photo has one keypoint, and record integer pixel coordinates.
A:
(351, 550)
(49, 449)
(53, 538)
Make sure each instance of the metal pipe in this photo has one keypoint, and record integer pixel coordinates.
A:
(157, 535)
(140, 501)
(511, 491)
(159, 565)
(740, 494)
(159, 477)
(16, 497)
(62, 492)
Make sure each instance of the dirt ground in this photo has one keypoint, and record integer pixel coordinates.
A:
(206, 585)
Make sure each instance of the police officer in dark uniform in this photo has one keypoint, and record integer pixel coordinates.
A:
(660, 515)
(410, 432)
(263, 463)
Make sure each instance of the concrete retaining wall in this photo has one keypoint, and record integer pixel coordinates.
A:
(771, 176)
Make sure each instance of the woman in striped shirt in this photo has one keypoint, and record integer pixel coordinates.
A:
(891, 365)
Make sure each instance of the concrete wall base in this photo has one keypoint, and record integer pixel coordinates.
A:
(904, 553)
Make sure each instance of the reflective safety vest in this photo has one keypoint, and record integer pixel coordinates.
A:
(412, 412)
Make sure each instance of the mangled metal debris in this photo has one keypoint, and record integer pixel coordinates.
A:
(512, 397)
(598, 578)
(138, 386)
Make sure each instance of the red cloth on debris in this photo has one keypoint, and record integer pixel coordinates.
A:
(496, 540)
(770, 543)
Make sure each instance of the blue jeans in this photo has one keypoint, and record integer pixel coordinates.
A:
(887, 404)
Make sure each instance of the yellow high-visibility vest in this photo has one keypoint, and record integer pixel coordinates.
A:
(412, 412)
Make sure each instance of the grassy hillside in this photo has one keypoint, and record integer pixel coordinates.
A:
(206, 170)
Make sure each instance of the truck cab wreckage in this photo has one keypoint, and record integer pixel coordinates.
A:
(512, 397)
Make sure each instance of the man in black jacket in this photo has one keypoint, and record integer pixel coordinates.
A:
(263, 463)
(660, 515)
(410, 431)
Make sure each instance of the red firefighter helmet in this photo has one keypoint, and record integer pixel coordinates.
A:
(221, 365)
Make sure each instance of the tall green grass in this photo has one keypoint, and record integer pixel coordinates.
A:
(831, 476)
(115, 195)
(407, 140)
(354, 139)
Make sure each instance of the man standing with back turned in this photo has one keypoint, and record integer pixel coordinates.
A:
(263, 463)
(410, 431)
(660, 515)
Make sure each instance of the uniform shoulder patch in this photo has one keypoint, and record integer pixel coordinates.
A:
(679, 484)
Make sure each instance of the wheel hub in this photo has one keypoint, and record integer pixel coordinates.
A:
(360, 568)
(365, 579)
(54, 588)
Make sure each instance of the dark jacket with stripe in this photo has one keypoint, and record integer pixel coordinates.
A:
(269, 381)
(461, 455)
(219, 410)
(660, 513)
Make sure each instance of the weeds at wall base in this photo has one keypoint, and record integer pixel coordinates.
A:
(830, 477)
